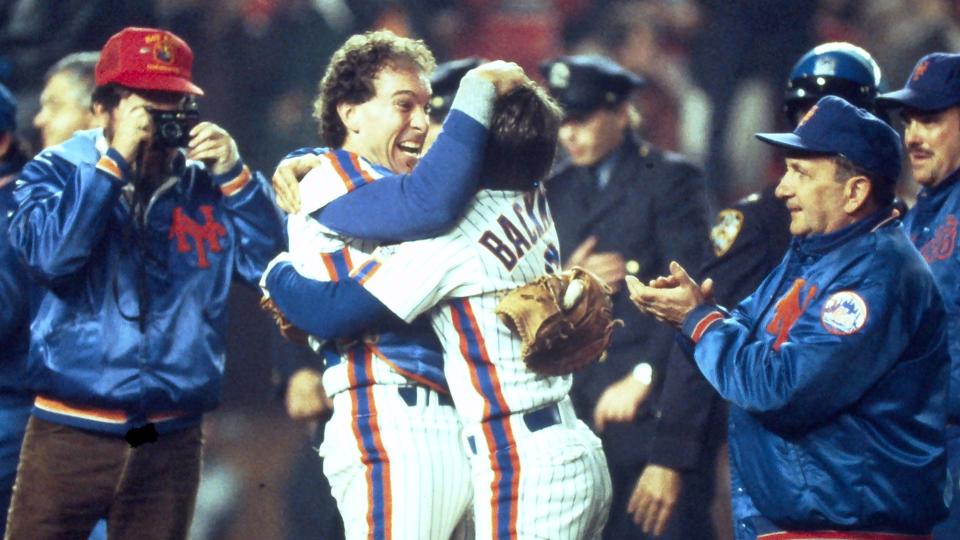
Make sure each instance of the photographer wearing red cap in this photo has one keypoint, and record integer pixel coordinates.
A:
(135, 232)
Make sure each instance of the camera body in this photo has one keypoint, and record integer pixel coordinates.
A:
(171, 129)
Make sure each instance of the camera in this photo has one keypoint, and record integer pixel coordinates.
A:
(172, 128)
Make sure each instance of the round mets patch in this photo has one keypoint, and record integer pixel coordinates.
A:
(844, 313)
(725, 232)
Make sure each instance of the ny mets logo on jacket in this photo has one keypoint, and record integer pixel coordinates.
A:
(848, 430)
(932, 225)
(134, 312)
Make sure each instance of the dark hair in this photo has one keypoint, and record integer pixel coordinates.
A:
(108, 96)
(18, 154)
(352, 69)
(882, 190)
(523, 139)
(81, 66)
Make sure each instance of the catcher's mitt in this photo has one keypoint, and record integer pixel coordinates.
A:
(287, 329)
(564, 320)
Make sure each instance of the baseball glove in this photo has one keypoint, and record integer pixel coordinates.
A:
(564, 320)
(287, 329)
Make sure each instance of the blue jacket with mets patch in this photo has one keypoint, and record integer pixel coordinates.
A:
(130, 327)
(836, 371)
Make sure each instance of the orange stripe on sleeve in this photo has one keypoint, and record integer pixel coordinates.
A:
(705, 323)
(344, 177)
(110, 167)
(235, 185)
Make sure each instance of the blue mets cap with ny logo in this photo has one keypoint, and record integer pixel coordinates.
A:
(934, 84)
(834, 127)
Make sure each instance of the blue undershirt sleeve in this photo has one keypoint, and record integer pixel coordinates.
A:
(429, 200)
(325, 309)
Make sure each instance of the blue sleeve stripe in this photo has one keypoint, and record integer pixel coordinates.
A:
(338, 264)
(366, 271)
(348, 167)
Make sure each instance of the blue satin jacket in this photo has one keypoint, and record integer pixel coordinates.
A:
(133, 314)
(836, 371)
(15, 289)
(932, 225)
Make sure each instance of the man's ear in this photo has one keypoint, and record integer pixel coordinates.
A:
(856, 193)
(349, 115)
(101, 116)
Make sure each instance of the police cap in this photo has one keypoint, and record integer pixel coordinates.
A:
(445, 81)
(585, 83)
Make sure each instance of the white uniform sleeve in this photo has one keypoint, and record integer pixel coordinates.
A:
(412, 277)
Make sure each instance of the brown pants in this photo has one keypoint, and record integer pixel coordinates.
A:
(69, 478)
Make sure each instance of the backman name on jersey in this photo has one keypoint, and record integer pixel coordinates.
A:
(518, 233)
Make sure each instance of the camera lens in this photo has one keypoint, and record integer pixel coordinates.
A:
(171, 132)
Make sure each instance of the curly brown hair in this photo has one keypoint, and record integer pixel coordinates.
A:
(353, 67)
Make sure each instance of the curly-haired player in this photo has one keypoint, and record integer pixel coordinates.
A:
(390, 398)
(538, 472)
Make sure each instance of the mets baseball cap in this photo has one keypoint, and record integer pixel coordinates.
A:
(8, 110)
(147, 59)
(445, 80)
(835, 127)
(585, 83)
(934, 84)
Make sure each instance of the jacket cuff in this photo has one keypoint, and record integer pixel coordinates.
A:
(699, 320)
(677, 451)
(115, 165)
(232, 181)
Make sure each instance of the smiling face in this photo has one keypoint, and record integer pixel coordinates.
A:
(389, 129)
(933, 144)
(816, 200)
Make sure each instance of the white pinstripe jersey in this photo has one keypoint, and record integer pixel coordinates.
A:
(319, 253)
(505, 239)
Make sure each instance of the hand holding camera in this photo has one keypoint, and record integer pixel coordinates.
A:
(132, 127)
(210, 143)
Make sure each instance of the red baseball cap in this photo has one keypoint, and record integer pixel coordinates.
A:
(147, 59)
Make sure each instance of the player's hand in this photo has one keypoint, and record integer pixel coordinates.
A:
(134, 126)
(504, 75)
(286, 180)
(212, 144)
(670, 298)
(608, 266)
(620, 402)
(305, 398)
(654, 498)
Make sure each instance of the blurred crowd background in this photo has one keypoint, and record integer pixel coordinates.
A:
(715, 68)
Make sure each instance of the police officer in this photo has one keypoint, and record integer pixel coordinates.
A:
(930, 108)
(750, 237)
(622, 207)
(444, 82)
